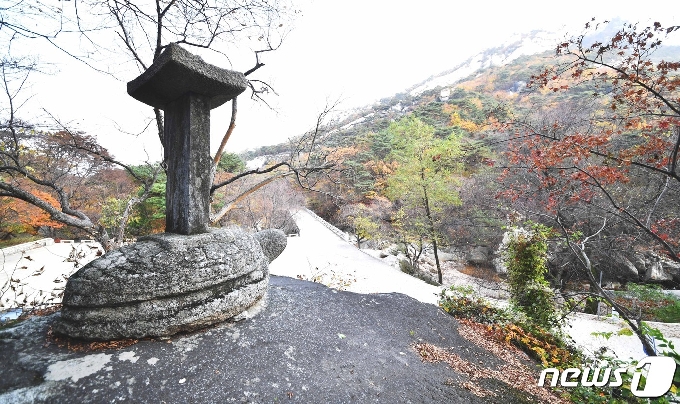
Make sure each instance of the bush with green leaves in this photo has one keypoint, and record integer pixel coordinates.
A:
(666, 348)
(231, 163)
(461, 302)
(526, 254)
(508, 325)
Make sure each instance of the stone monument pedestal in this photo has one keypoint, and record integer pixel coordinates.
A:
(167, 283)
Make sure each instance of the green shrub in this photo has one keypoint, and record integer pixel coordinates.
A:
(461, 302)
(669, 313)
(406, 267)
(526, 255)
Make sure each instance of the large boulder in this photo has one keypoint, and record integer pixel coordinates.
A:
(656, 268)
(659, 269)
(446, 257)
(167, 283)
(672, 268)
(620, 268)
(479, 256)
(655, 273)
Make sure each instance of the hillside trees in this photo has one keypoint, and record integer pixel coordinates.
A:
(637, 133)
(423, 183)
(479, 219)
(52, 172)
(605, 169)
(18, 217)
(604, 154)
(361, 220)
(58, 172)
(630, 137)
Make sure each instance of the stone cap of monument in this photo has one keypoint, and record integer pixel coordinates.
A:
(177, 72)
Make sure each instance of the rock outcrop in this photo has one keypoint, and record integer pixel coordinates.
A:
(167, 283)
(479, 256)
(657, 269)
(620, 268)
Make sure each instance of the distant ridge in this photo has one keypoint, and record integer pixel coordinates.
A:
(518, 45)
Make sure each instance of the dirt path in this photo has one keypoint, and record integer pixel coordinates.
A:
(322, 256)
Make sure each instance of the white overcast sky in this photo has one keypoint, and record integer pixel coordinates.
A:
(360, 50)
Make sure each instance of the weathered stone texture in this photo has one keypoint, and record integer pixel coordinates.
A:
(272, 241)
(167, 283)
(187, 154)
(479, 255)
(177, 72)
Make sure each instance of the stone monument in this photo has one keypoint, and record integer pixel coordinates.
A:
(186, 89)
(190, 276)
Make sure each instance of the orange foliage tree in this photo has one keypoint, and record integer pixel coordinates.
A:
(18, 216)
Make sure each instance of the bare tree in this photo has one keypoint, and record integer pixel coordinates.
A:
(269, 208)
(585, 266)
(144, 29)
(59, 164)
(309, 162)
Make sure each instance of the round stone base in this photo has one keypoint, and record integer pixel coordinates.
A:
(168, 283)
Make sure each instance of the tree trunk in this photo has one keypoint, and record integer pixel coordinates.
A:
(433, 233)
(436, 260)
(227, 135)
(102, 237)
(623, 312)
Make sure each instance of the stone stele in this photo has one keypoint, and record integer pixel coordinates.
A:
(167, 283)
(186, 89)
(191, 276)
